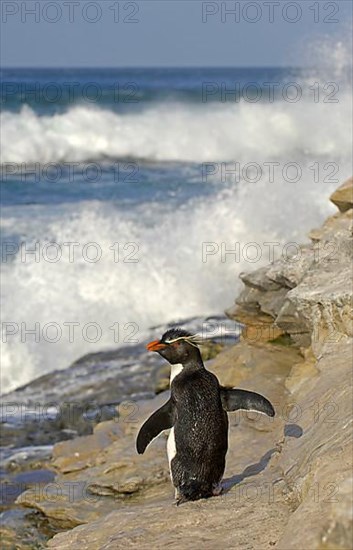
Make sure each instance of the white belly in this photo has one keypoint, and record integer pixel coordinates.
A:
(175, 370)
(171, 448)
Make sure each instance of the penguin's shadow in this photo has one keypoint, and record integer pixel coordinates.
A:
(290, 430)
(293, 430)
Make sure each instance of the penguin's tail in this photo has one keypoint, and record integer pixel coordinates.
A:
(194, 490)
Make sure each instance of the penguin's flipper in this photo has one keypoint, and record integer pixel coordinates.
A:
(161, 419)
(233, 400)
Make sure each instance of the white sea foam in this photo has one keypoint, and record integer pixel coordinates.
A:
(169, 281)
(179, 132)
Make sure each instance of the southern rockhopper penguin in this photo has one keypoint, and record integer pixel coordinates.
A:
(196, 415)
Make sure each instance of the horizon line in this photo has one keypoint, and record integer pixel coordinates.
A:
(129, 67)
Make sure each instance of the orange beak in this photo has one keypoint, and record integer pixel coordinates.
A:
(156, 345)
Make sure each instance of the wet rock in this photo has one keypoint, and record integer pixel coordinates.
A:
(26, 469)
(70, 402)
(93, 380)
(24, 529)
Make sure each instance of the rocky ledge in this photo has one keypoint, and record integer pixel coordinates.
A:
(288, 482)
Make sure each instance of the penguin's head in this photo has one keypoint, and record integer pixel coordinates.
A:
(176, 346)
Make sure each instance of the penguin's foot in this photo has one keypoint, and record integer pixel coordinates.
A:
(217, 489)
(181, 500)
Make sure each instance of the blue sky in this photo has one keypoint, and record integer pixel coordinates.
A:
(111, 33)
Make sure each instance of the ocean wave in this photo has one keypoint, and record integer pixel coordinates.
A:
(180, 132)
(179, 272)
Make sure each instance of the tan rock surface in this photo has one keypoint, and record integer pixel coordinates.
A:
(343, 196)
